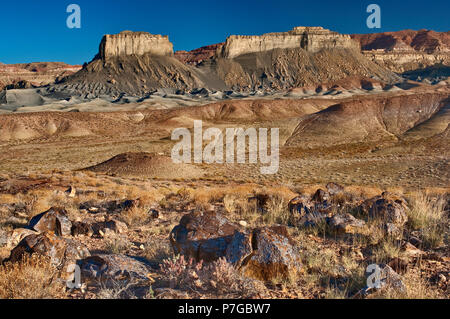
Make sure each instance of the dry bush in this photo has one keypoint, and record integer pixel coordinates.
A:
(158, 251)
(218, 278)
(386, 251)
(428, 216)
(277, 211)
(416, 288)
(135, 216)
(33, 278)
(117, 245)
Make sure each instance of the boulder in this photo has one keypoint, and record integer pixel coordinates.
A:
(46, 244)
(54, 220)
(347, 224)
(203, 236)
(265, 253)
(17, 235)
(116, 226)
(334, 189)
(389, 211)
(300, 205)
(110, 268)
(261, 253)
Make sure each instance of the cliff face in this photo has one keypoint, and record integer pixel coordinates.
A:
(27, 75)
(138, 63)
(311, 39)
(134, 43)
(199, 55)
(406, 50)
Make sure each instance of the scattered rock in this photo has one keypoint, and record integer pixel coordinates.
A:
(55, 220)
(320, 196)
(17, 235)
(112, 268)
(264, 254)
(46, 244)
(389, 211)
(347, 224)
(202, 236)
(300, 205)
(334, 189)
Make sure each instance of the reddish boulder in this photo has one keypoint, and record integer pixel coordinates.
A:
(46, 244)
(54, 220)
(262, 253)
(203, 236)
(389, 211)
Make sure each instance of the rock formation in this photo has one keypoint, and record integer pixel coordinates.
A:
(27, 75)
(311, 39)
(136, 63)
(199, 55)
(134, 43)
(406, 50)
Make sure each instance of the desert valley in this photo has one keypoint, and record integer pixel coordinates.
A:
(88, 182)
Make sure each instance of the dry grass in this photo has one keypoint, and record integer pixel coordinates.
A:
(428, 216)
(33, 278)
(157, 251)
(416, 288)
(135, 216)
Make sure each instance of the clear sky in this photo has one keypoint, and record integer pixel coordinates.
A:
(35, 30)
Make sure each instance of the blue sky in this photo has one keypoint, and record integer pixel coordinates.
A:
(36, 30)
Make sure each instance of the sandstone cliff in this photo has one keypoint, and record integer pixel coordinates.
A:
(311, 39)
(134, 43)
(139, 63)
(406, 50)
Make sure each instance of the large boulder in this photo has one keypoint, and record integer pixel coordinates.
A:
(17, 235)
(46, 244)
(54, 220)
(389, 211)
(262, 253)
(203, 236)
(61, 251)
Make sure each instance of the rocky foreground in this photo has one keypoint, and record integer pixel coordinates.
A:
(239, 243)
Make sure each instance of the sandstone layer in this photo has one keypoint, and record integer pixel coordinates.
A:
(26, 75)
(311, 39)
(134, 43)
(406, 50)
(139, 63)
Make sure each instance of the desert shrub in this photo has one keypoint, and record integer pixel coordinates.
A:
(218, 278)
(135, 216)
(428, 216)
(158, 251)
(32, 278)
(117, 245)
(277, 211)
